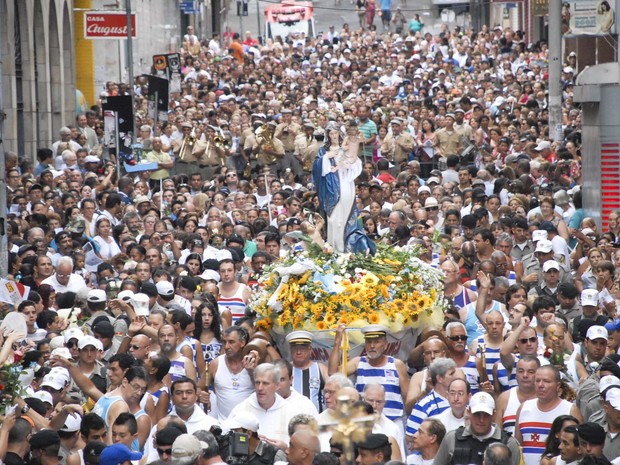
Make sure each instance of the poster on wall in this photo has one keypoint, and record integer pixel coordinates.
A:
(596, 17)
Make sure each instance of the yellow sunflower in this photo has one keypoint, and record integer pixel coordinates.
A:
(373, 318)
(369, 280)
(320, 325)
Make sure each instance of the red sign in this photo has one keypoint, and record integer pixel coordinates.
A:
(106, 25)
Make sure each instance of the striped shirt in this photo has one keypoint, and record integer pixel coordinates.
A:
(387, 376)
(235, 304)
(535, 425)
(510, 413)
(430, 405)
(471, 374)
(308, 383)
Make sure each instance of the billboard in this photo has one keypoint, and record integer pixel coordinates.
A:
(596, 17)
(107, 25)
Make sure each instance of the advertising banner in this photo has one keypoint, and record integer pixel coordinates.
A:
(596, 17)
(107, 25)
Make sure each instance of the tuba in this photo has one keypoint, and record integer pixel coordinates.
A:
(264, 133)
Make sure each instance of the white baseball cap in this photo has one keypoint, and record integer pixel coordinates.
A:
(44, 396)
(607, 382)
(597, 332)
(551, 265)
(90, 341)
(72, 423)
(589, 297)
(544, 246)
(482, 402)
(539, 235)
(613, 397)
(165, 288)
(242, 419)
(73, 333)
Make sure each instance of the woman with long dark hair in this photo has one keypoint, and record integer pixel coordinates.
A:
(208, 330)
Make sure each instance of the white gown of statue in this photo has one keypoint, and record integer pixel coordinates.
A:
(348, 170)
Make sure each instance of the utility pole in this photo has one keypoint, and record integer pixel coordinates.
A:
(555, 70)
(130, 67)
(4, 250)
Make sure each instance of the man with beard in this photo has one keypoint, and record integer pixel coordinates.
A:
(456, 336)
(308, 376)
(180, 366)
(375, 367)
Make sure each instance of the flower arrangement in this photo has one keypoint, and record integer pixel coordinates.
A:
(11, 386)
(318, 289)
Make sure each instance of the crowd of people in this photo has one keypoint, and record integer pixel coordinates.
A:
(136, 341)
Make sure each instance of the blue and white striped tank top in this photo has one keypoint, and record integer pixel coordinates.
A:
(387, 376)
(471, 374)
(504, 381)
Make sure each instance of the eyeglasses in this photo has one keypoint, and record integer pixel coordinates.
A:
(164, 451)
(525, 340)
(458, 338)
(135, 347)
(232, 175)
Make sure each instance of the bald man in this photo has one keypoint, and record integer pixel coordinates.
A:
(303, 447)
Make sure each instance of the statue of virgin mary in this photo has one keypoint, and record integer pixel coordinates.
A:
(334, 171)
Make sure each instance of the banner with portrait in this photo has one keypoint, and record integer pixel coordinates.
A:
(589, 17)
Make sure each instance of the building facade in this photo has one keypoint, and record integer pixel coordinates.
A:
(38, 72)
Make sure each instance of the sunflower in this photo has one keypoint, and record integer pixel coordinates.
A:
(373, 318)
(263, 325)
(330, 319)
(369, 280)
(320, 325)
(412, 308)
(398, 305)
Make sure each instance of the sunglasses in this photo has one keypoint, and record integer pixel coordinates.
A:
(525, 340)
(71, 344)
(135, 347)
(458, 338)
(164, 451)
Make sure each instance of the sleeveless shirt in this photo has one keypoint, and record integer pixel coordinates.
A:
(308, 383)
(230, 389)
(535, 426)
(387, 376)
(235, 304)
(510, 414)
(102, 407)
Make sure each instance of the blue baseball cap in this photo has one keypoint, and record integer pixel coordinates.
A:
(117, 454)
(613, 325)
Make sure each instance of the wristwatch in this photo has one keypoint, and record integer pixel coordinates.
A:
(25, 409)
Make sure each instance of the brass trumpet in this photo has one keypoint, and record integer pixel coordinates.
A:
(221, 142)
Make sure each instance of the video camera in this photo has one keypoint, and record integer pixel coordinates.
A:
(234, 447)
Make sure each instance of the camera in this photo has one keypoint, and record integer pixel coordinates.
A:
(234, 447)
